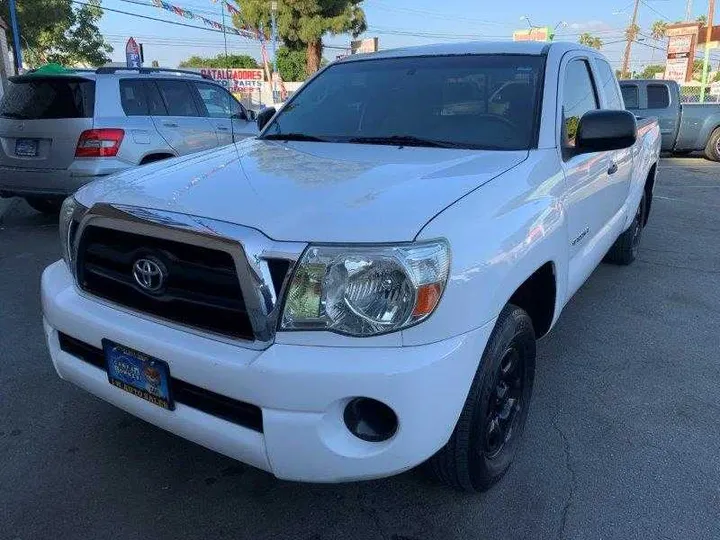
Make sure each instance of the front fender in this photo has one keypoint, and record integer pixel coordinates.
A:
(499, 235)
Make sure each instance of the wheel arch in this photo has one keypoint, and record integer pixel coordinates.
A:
(155, 156)
(537, 296)
(649, 190)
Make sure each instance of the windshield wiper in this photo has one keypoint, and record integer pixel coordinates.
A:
(292, 137)
(406, 140)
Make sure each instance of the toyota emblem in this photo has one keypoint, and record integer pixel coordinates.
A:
(150, 274)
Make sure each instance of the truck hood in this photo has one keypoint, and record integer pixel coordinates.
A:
(309, 191)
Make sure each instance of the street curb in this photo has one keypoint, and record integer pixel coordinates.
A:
(6, 205)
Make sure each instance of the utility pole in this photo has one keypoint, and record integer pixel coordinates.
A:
(17, 52)
(688, 10)
(626, 56)
(708, 38)
(273, 20)
(222, 11)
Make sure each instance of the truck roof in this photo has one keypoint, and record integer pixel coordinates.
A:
(473, 47)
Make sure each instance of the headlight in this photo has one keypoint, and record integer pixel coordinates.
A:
(70, 215)
(364, 291)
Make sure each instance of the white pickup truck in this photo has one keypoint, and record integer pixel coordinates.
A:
(360, 288)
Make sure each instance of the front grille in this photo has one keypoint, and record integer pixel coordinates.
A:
(201, 288)
(237, 412)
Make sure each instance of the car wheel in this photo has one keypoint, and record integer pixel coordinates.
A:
(485, 439)
(46, 205)
(712, 150)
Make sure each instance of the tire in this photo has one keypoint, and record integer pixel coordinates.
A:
(625, 249)
(483, 445)
(45, 205)
(712, 150)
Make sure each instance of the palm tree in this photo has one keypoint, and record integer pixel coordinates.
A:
(659, 30)
(591, 41)
(631, 32)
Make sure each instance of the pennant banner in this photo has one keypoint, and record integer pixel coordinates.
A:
(245, 31)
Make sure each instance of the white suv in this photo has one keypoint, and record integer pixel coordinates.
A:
(61, 131)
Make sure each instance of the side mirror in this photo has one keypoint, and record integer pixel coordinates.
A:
(264, 116)
(600, 131)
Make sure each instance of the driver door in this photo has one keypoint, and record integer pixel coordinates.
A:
(589, 199)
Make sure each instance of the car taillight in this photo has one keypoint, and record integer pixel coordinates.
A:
(99, 143)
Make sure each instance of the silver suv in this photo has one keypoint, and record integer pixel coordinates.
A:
(60, 131)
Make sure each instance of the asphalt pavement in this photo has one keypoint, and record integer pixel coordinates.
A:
(622, 440)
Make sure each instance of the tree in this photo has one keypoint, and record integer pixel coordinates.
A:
(702, 19)
(659, 30)
(651, 70)
(303, 23)
(631, 32)
(58, 31)
(697, 69)
(241, 61)
(291, 64)
(591, 41)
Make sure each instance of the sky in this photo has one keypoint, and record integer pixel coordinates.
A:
(405, 22)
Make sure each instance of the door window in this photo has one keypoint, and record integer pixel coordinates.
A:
(609, 86)
(631, 96)
(218, 101)
(156, 106)
(658, 96)
(178, 98)
(579, 97)
(132, 97)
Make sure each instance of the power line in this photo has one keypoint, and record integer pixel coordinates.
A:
(436, 14)
(176, 23)
(656, 11)
(194, 9)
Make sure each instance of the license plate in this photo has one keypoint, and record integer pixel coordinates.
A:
(139, 374)
(26, 147)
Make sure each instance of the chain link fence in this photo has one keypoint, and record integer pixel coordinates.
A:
(691, 94)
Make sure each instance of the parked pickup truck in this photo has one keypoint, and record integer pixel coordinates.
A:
(684, 127)
(359, 288)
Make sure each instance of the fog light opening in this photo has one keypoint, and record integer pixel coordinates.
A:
(370, 420)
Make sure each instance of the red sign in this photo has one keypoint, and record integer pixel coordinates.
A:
(236, 80)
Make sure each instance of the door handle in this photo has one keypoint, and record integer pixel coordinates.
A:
(170, 124)
(613, 168)
(223, 128)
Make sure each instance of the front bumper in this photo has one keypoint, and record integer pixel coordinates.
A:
(301, 390)
(57, 182)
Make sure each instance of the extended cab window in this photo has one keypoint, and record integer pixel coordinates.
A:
(470, 101)
(658, 96)
(579, 97)
(631, 96)
(609, 86)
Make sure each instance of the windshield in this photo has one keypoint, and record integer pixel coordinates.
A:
(478, 101)
(48, 98)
